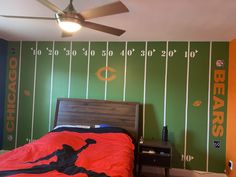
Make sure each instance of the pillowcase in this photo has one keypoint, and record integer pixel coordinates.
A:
(102, 125)
(73, 126)
(83, 126)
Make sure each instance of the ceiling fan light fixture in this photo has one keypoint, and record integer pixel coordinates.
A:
(69, 26)
(68, 23)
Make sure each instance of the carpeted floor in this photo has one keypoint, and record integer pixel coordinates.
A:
(159, 172)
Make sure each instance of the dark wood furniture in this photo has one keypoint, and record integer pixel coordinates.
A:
(74, 111)
(154, 153)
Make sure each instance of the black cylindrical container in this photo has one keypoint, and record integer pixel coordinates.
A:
(165, 133)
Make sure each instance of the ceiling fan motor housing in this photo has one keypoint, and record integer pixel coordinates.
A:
(69, 17)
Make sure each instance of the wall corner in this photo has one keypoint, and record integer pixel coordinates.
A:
(3, 66)
(231, 118)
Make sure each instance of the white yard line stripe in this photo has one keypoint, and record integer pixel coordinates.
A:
(166, 76)
(69, 80)
(52, 69)
(186, 108)
(208, 110)
(18, 96)
(125, 72)
(34, 88)
(88, 66)
(106, 74)
(144, 88)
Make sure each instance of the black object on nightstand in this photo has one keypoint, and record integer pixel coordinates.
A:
(154, 153)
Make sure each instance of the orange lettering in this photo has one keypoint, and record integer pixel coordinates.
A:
(11, 97)
(217, 130)
(10, 126)
(219, 117)
(13, 63)
(219, 88)
(219, 75)
(12, 87)
(12, 75)
(218, 103)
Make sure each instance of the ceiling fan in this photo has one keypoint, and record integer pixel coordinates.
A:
(71, 21)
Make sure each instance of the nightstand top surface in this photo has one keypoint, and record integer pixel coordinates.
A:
(155, 143)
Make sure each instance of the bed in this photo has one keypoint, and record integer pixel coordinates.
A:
(91, 138)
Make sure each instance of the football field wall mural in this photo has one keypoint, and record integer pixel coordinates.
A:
(180, 84)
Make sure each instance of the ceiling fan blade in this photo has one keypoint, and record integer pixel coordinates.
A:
(27, 17)
(51, 6)
(103, 28)
(105, 10)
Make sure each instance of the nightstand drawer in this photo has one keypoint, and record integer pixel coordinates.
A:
(155, 159)
(154, 153)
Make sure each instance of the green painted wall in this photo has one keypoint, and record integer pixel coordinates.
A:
(181, 84)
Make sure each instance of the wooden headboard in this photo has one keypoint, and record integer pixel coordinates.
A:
(74, 111)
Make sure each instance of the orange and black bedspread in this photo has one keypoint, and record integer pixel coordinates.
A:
(94, 152)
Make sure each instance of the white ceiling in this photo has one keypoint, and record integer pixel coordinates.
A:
(194, 20)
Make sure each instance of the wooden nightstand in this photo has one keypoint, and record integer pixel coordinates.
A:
(154, 153)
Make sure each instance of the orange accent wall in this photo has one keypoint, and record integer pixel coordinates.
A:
(231, 118)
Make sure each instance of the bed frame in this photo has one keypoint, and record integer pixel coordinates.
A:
(74, 111)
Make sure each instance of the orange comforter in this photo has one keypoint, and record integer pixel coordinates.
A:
(73, 152)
